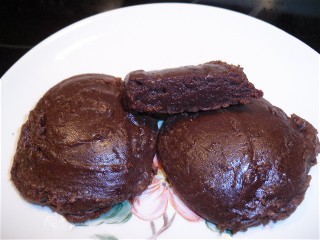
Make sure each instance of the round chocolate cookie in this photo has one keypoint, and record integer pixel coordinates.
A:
(240, 166)
(80, 152)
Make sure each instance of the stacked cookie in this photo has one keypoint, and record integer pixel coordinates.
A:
(232, 157)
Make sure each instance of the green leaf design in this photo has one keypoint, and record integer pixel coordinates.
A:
(160, 123)
(213, 227)
(105, 237)
(120, 213)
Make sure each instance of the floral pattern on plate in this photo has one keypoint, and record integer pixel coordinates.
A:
(151, 205)
(153, 202)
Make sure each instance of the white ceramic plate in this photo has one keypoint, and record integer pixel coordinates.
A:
(150, 37)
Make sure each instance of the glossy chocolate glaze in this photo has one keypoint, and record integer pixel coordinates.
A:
(208, 86)
(241, 166)
(80, 152)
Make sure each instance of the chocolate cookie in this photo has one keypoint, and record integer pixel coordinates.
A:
(240, 166)
(189, 89)
(80, 153)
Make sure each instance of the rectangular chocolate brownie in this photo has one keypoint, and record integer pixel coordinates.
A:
(207, 86)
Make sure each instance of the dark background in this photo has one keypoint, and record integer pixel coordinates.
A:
(24, 23)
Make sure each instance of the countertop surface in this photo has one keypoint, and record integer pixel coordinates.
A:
(23, 24)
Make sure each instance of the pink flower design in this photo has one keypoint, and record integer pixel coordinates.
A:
(153, 202)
